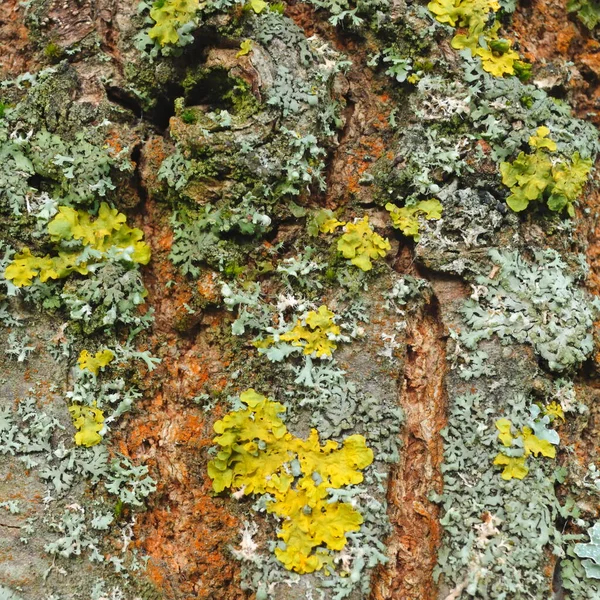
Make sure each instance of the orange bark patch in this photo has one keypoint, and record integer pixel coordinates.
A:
(186, 532)
(548, 34)
(417, 533)
(359, 161)
(16, 56)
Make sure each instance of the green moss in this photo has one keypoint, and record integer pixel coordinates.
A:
(424, 65)
(207, 86)
(234, 270)
(527, 101)
(188, 117)
(243, 101)
(53, 52)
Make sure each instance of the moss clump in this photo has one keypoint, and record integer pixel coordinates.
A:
(188, 117)
(53, 52)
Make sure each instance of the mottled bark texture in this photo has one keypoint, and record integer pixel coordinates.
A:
(243, 142)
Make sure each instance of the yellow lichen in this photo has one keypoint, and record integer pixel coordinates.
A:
(96, 362)
(315, 333)
(542, 176)
(481, 38)
(361, 244)
(255, 456)
(169, 16)
(406, 219)
(245, 48)
(515, 466)
(555, 411)
(331, 225)
(505, 436)
(89, 421)
(80, 244)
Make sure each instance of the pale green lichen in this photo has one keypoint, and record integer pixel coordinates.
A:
(532, 302)
(591, 552)
(496, 531)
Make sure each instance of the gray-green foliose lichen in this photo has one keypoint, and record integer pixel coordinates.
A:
(54, 157)
(534, 302)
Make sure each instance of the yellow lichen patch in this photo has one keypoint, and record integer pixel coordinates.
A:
(245, 48)
(25, 267)
(540, 175)
(406, 219)
(541, 140)
(331, 225)
(481, 38)
(106, 235)
(315, 333)
(169, 16)
(89, 421)
(504, 427)
(554, 411)
(255, 456)
(361, 244)
(96, 362)
(515, 466)
(534, 445)
(256, 5)
(497, 63)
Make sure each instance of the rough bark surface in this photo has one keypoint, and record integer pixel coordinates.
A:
(227, 157)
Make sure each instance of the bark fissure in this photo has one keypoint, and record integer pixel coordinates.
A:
(415, 519)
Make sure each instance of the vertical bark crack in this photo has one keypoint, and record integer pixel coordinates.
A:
(416, 534)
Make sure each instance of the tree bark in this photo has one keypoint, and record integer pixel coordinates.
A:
(243, 152)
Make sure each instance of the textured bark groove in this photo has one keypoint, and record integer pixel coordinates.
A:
(417, 532)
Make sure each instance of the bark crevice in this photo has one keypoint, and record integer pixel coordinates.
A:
(416, 531)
